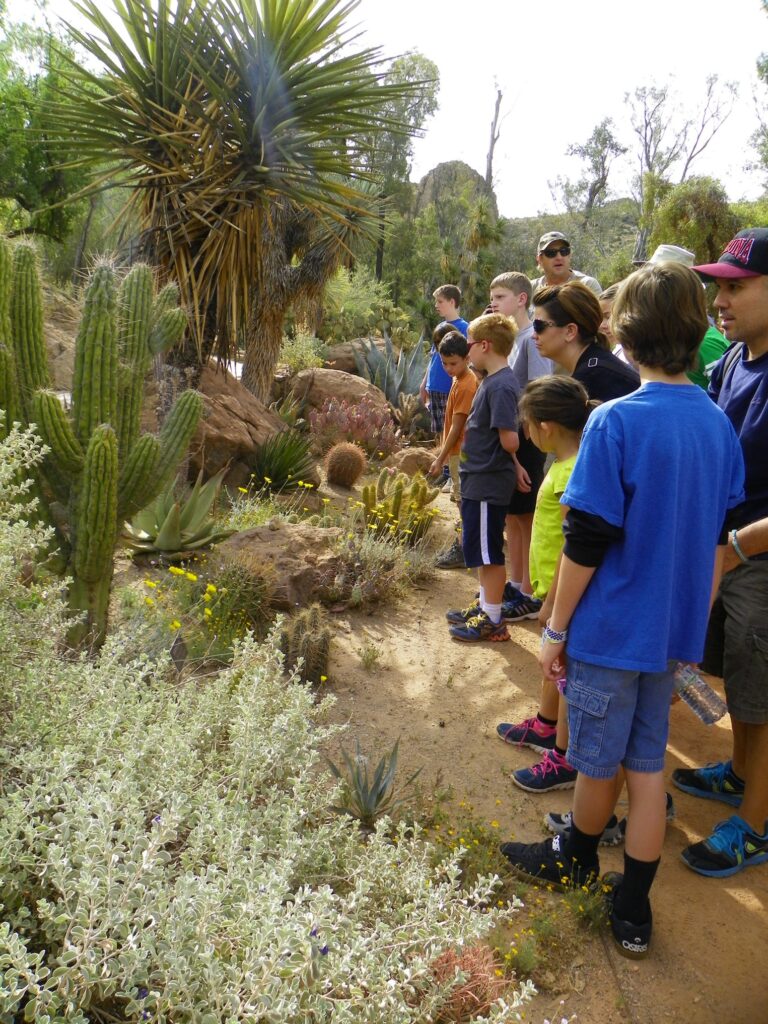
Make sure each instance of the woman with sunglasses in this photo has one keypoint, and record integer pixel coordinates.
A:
(566, 329)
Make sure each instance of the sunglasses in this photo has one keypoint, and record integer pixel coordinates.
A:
(475, 341)
(564, 250)
(539, 326)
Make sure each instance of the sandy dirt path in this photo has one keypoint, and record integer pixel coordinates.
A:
(709, 961)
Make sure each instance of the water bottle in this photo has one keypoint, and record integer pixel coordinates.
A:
(698, 694)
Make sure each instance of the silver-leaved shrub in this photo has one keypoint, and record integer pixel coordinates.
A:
(166, 853)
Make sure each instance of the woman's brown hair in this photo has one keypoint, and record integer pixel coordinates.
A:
(573, 303)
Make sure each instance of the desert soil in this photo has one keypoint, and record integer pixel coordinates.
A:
(709, 961)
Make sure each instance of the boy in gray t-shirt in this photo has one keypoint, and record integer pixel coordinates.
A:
(488, 477)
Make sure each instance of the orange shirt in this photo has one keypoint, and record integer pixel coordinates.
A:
(459, 401)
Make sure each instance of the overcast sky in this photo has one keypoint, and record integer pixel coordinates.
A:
(563, 67)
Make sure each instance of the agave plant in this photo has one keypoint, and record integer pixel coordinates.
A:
(171, 527)
(368, 799)
(283, 461)
(396, 376)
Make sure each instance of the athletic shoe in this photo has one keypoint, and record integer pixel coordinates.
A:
(452, 557)
(552, 772)
(447, 486)
(731, 847)
(713, 782)
(511, 593)
(632, 940)
(480, 627)
(461, 615)
(521, 608)
(546, 862)
(614, 831)
(531, 733)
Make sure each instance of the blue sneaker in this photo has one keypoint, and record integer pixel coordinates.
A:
(521, 608)
(713, 782)
(731, 847)
(552, 772)
(479, 627)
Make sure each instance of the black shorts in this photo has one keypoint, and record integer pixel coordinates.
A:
(532, 460)
(737, 641)
(482, 533)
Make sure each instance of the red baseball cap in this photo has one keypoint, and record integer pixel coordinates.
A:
(746, 255)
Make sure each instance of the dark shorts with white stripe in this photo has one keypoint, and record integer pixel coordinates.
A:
(482, 533)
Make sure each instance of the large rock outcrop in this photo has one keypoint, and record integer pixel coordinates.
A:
(303, 558)
(233, 425)
(318, 385)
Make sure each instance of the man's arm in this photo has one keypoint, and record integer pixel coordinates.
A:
(752, 539)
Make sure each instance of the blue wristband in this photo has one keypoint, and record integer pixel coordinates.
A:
(737, 548)
(553, 636)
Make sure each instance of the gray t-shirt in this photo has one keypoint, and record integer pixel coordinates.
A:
(525, 360)
(486, 469)
(576, 275)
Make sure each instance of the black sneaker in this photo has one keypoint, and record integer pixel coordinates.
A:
(521, 608)
(452, 557)
(546, 862)
(713, 782)
(632, 940)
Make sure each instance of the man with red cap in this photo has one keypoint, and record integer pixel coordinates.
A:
(737, 639)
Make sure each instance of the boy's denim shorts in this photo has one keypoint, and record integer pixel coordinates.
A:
(617, 717)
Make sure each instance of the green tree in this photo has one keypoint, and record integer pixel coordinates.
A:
(590, 191)
(33, 181)
(390, 154)
(696, 215)
(242, 129)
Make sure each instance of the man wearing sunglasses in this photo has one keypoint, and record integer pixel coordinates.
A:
(554, 259)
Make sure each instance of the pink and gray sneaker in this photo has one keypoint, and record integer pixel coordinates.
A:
(552, 772)
(531, 733)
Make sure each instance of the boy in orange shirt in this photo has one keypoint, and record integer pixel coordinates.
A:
(454, 355)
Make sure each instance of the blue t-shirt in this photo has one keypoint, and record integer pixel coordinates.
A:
(437, 378)
(743, 397)
(486, 469)
(661, 466)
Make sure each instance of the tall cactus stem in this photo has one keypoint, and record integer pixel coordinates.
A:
(26, 322)
(94, 389)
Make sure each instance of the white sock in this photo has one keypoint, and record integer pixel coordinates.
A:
(481, 598)
(493, 611)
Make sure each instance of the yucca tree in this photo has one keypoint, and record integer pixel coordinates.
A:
(240, 127)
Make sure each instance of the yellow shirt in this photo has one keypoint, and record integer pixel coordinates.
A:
(547, 529)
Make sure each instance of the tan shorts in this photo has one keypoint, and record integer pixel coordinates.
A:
(453, 469)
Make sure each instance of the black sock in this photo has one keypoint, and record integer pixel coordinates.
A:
(546, 721)
(560, 750)
(582, 847)
(631, 903)
(734, 777)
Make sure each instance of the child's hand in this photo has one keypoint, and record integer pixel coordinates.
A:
(552, 660)
(436, 468)
(523, 479)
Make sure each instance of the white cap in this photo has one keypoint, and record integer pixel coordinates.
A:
(673, 254)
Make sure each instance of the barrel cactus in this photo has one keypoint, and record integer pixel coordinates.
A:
(100, 470)
(344, 464)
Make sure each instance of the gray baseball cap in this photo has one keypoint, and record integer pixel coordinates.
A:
(549, 238)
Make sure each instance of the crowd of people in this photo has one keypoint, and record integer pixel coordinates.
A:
(614, 442)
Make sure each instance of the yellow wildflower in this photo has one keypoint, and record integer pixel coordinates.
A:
(191, 576)
(267, 480)
(175, 625)
(176, 571)
(150, 583)
(207, 611)
(494, 824)
(323, 679)
(150, 601)
(210, 589)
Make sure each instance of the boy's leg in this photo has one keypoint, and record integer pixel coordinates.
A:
(537, 732)
(483, 547)
(514, 551)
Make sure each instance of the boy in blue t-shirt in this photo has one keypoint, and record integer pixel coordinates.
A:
(436, 384)
(655, 476)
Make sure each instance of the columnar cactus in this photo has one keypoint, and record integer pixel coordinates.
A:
(396, 506)
(99, 471)
(307, 636)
